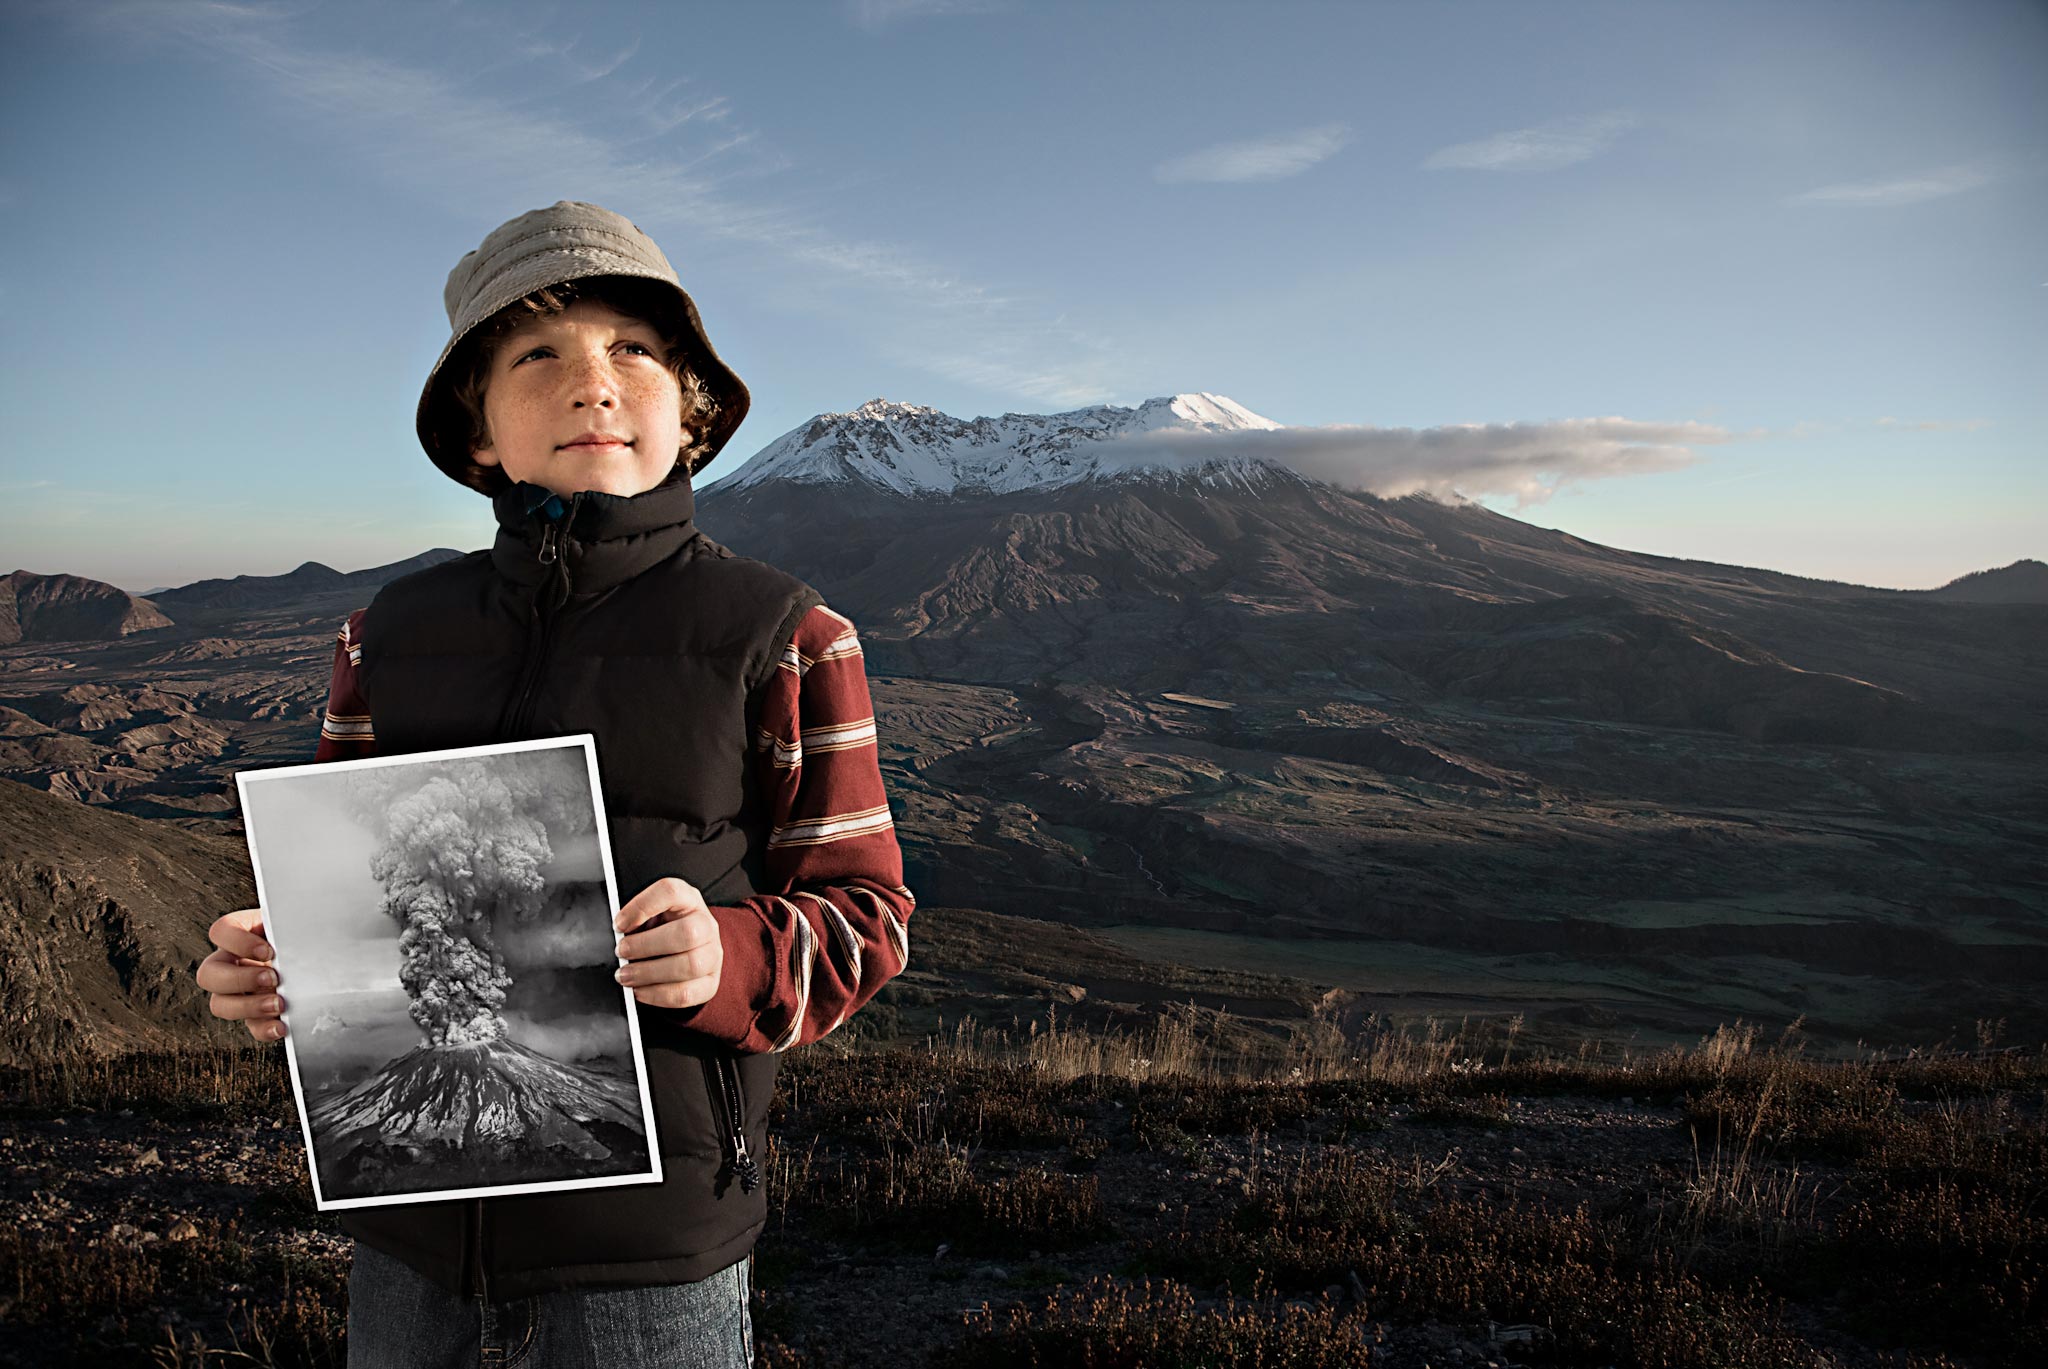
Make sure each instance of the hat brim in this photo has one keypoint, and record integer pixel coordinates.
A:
(443, 426)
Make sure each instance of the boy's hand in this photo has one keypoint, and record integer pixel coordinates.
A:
(240, 976)
(672, 940)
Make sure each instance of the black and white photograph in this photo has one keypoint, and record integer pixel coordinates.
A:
(445, 949)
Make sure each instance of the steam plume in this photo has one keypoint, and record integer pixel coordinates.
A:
(464, 847)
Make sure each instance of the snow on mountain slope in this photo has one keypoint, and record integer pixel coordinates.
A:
(911, 449)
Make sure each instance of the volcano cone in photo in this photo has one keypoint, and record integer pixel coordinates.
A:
(484, 1112)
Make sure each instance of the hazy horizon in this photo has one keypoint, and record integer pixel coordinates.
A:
(1746, 283)
(142, 589)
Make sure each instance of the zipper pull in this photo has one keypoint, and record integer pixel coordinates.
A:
(743, 1163)
(548, 550)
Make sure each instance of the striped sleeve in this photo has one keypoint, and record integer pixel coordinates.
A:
(345, 732)
(833, 926)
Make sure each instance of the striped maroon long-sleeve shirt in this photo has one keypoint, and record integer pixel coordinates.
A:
(798, 960)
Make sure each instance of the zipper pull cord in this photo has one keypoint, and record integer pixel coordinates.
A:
(743, 1165)
(551, 538)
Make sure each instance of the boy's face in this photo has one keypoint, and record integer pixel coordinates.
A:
(587, 370)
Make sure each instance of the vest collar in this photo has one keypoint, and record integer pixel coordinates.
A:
(600, 539)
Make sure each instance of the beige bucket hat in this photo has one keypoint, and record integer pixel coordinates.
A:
(567, 241)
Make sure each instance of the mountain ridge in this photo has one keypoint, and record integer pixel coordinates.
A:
(307, 578)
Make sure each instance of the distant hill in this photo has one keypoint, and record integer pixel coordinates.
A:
(2022, 582)
(70, 608)
(103, 922)
(311, 578)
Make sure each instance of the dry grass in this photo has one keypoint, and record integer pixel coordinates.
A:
(93, 1297)
(1740, 1194)
(234, 1085)
(1899, 1200)
(1112, 1325)
(1419, 1254)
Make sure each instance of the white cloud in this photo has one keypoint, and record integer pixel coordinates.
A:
(1546, 147)
(1257, 159)
(464, 147)
(1951, 180)
(1528, 461)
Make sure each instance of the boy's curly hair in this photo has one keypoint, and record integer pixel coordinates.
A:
(648, 301)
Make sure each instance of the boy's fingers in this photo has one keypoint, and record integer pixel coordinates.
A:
(240, 933)
(672, 936)
(236, 1007)
(226, 974)
(671, 969)
(686, 993)
(664, 895)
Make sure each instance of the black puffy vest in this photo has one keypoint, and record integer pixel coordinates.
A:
(624, 621)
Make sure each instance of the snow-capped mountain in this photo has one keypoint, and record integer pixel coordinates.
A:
(915, 450)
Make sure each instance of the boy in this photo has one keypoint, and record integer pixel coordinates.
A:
(743, 795)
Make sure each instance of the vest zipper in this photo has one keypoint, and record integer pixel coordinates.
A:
(545, 601)
(732, 1103)
(548, 595)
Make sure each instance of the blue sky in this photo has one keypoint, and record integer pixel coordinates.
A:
(1762, 284)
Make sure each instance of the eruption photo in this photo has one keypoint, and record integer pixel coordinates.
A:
(445, 951)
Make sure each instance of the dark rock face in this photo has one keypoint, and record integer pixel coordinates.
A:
(103, 922)
(1493, 758)
(1154, 584)
(70, 608)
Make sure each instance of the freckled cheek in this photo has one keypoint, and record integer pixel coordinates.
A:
(656, 388)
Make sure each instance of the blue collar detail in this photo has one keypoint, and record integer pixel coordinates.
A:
(539, 498)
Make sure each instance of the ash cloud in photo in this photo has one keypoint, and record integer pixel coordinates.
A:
(444, 941)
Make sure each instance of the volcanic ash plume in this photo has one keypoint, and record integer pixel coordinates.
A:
(460, 851)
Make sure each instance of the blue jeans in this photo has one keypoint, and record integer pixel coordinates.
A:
(399, 1320)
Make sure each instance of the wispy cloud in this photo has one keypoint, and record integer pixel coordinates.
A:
(1528, 461)
(1933, 185)
(1546, 147)
(1257, 159)
(1021, 369)
(586, 69)
(453, 143)
(1935, 425)
(874, 14)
